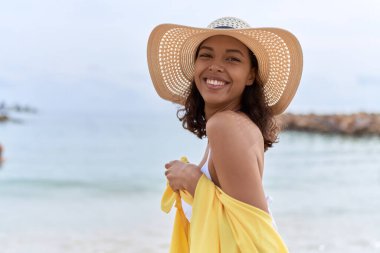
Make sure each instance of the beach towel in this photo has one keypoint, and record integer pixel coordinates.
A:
(219, 223)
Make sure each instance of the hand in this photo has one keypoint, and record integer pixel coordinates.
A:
(182, 176)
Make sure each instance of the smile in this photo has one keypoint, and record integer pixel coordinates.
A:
(215, 82)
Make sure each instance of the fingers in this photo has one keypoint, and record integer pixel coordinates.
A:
(173, 174)
(174, 166)
(169, 164)
(174, 187)
(170, 167)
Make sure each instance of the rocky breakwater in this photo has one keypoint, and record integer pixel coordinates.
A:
(347, 124)
(6, 111)
(3, 117)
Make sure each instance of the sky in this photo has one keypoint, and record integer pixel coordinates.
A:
(91, 55)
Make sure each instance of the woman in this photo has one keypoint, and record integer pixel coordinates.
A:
(232, 81)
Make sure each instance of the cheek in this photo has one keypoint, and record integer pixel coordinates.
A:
(197, 72)
(197, 67)
(244, 77)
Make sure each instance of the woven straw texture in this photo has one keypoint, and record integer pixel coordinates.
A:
(171, 56)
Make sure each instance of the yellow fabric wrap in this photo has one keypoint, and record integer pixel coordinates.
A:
(219, 223)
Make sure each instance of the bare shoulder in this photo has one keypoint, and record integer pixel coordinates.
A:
(237, 153)
(236, 125)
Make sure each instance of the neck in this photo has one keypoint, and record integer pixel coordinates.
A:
(211, 110)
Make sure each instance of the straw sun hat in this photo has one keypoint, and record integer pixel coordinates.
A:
(171, 56)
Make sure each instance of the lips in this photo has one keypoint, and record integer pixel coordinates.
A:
(215, 83)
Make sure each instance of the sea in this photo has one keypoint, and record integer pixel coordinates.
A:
(92, 183)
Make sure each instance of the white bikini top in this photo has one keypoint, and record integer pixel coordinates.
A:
(187, 209)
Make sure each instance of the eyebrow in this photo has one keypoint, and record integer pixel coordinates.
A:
(227, 50)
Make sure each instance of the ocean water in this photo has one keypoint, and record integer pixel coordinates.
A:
(88, 182)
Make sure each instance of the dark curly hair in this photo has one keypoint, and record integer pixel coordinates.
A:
(193, 117)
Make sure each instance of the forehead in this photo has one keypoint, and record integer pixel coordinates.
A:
(224, 41)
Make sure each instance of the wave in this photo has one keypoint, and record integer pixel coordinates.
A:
(65, 185)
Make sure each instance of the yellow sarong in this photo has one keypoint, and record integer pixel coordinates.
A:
(219, 223)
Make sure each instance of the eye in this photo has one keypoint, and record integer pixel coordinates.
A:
(233, 59)
(204, 55)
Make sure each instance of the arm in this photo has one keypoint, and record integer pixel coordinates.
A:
(237, 154)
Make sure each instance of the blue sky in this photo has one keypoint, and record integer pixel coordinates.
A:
(91, 55)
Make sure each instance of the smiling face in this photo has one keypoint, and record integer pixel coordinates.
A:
(222, 71)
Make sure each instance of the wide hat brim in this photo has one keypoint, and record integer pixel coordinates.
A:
(171, 57)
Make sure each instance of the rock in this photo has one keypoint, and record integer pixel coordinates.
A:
(348, 124)
(3, 118)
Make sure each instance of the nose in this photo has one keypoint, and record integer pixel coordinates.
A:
(215, 68)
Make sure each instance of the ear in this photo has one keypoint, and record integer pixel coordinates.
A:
(251, 77)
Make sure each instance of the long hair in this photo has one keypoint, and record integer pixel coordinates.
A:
(253, 104)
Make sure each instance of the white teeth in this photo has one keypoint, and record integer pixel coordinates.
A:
(215, 82)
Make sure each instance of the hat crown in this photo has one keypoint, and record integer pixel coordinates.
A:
(228, 22)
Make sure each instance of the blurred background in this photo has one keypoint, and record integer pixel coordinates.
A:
(87, 136)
